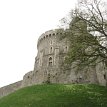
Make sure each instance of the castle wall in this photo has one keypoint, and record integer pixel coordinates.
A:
(49, 64)
(48, 58)
(10, 88)
(101, 71)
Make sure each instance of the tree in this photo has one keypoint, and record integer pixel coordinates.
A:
(87, 34)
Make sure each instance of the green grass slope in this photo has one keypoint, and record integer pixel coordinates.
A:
(57, 96)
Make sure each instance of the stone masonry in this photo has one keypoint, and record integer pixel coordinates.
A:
(48, 67)
(48, 64)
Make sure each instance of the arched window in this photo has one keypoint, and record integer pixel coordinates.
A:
(50, 61)
(51, 50)
(104, 76)
(49, 34)
(53, 34)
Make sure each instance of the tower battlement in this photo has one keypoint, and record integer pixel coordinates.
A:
(49, 34)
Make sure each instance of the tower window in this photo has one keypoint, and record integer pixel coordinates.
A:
(50, 61)
(53, 34)
(104, 76)
(51, 50)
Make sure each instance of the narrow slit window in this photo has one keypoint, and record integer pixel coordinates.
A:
(49, 34)
(51, 50)
(50, 61)
(104, 76)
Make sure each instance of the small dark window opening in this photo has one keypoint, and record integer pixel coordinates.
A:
(28, 77)
(50, 61)
(104, 76)
(50, 58)
(49, 34)
(53, 34)
(51, 50)
(66, 48)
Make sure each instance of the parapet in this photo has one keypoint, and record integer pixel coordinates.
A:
(48, 34)
(10, 88)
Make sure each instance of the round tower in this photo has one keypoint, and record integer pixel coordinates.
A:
(51, 52)
(49, 60)
(49, 47)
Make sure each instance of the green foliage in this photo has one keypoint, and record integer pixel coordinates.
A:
(57, 96)
(87, 34)
(84, 47)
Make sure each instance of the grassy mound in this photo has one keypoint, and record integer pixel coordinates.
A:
(57, 96)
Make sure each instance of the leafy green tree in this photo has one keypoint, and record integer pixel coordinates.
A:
(87, 34)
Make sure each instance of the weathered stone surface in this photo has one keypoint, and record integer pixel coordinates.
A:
(49, 60)
(10, 88)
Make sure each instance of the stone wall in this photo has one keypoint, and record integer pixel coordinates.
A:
(51, 52)
(10, 88)
(101, 71)
(49, 64)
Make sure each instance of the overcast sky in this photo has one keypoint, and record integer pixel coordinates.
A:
(21, 24)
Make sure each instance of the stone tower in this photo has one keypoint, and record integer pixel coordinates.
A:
(49, 61)
(51, 54)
